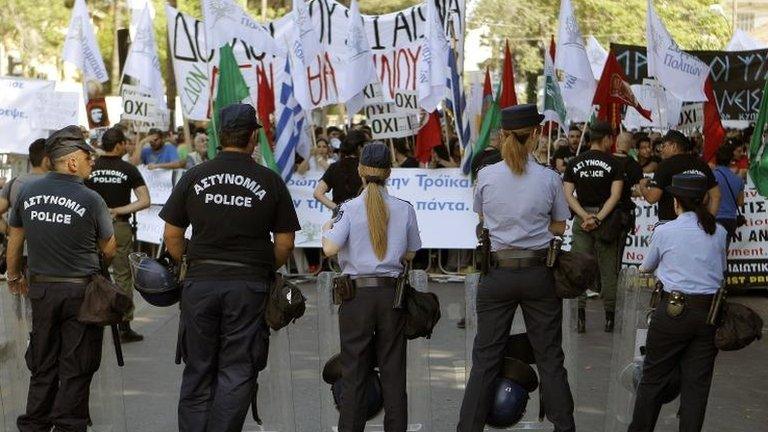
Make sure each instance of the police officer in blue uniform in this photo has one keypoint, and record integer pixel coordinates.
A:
(372, 235)
(688, 256)
(66, 227)
(523, 206)
(235, 207)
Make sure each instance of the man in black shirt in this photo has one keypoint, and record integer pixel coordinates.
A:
(341, 178)
(633, 173)
(565, 154)
(597, 179)
(114, 179)
(235, 207)
(677, 159)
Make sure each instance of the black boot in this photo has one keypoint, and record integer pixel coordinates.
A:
(127, 334)
(581, 326)
(609, 322)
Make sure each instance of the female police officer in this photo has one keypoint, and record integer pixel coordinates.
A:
(372, 234)
(523, 206)
(688, 256)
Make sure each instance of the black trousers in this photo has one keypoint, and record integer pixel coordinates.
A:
(499, 294)
(224, 343)
(63, 355)
(368, 324)
(686, 342)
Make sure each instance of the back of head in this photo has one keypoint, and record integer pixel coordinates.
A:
(37, 152)
(519, 135)
(236, 125)
(624, 142)
(724, 154)
(689, 191)
(598, 130)
(679, 140)
(375, 168)
(353, 142)
(111, 138)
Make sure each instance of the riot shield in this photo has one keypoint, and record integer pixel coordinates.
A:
(107, 409)
(530, 420)
(418, 377)
(633, 313)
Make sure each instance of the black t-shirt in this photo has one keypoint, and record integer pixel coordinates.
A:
(113, 179)
(63, 223)
(593, 172)
(233, 204)
(633, 173)
(409, 162)
(489, 156)
(343, 179)
(566, 154)
(683, 163)
(650, 160)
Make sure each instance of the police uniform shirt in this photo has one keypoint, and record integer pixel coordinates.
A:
(518, 209)
(686, 258)
(114, 179)
(343, 180)
(350, 232)
(633, 173)
(593, 172)
(233, 204)
(63, 222)
(683, 163)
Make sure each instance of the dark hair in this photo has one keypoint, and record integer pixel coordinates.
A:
(156, 131)
(442, 152)
(574, 128)
(354, 140)
(37, 152)
(599, 130)
(696, 205)
(724, 154)
(332, 129)
(111, 138)
(235, 137)
(401, 146)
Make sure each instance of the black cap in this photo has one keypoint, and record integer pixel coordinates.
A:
(688, 186)
(376, 155)
(65, 141)
(678, 138)
(520, 117)
(238, 116)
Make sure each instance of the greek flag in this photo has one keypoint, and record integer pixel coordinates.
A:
(458, 105)
(289, 130)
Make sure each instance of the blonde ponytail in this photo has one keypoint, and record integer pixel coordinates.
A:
(516, 146)
(376, 208)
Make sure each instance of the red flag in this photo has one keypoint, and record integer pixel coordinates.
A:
(508, 96)
(714, 133)
(265, 103)
(429, 137)
(552, 47)
(487, 90)
(613, 92)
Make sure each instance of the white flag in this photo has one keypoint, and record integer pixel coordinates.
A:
(143, 64)
(306, 46)
(433, 62)
(679, 72)
(577, 82)
(357, 70)
(227, 23)
(742, 41)
(189, 51)
(137, 7)
(597, 56)
(80, 47)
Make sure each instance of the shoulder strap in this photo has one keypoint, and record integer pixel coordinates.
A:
(730, 190)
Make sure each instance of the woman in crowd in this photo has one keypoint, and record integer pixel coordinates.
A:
(740, 161)
(200, 150)
(646, 156)
(320, 157)
(731, 189)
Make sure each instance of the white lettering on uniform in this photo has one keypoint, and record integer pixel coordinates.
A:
(230, 179)
(230, 200)
(51, 217)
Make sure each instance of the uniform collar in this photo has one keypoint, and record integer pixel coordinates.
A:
(687, 217)
(232, 156)
(64, 177)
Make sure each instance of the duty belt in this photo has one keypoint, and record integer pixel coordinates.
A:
(519, 258)
(58, 279)
(374, 282)
(260, 272)
(699, 301)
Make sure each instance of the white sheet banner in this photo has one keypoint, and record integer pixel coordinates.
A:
(18, 110)
(190, 54)
(149, 226)
(159, 182)
(56, 110)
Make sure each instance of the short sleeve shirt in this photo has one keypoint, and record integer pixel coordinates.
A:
(518, 209)
(233, 205)
(678, 164)
(350, 232)
(731, 186)
(633, 173)
(593, 172)
(63, 222)
(12, 187)
(114, 179)
(167, 153)
(565, 153)
(343, 180)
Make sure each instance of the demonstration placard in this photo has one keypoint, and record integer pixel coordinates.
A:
(190, 62)
(56, 110)
(140, 107)
(18, 111)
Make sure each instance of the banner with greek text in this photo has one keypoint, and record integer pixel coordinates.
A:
(18, 112)
(159, 182)
(189, 53)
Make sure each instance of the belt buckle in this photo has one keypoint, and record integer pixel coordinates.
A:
(675, 304)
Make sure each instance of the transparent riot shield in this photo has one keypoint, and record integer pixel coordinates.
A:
(106, 408)
(418, 376)
(530, 420)
(632, 319)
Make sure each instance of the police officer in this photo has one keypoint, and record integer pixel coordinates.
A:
(66, 226)
(597, 179)
(234, 206)
(114, 179)
(688, 256)
(677, 159)
(523, 206)
(372, 235)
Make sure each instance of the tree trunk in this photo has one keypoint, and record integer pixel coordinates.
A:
(171, 78)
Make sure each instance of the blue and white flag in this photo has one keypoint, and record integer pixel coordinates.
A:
(458, 104)
(289, 130)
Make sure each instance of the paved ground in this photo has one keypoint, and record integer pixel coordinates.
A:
(739, 399)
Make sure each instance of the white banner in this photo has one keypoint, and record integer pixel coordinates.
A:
(159, 182)
(149, 226)
(56, 110)
(18, 111)
(190, 54)
(387, 121)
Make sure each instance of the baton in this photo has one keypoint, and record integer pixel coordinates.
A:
(113, 327)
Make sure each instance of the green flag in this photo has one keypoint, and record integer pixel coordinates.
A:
(758, 156)
(491, 122)
(267, 158)
(554, 108)
(230, 89)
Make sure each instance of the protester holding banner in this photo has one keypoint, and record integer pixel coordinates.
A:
(159, 154)
(199, 153)
(319, 159)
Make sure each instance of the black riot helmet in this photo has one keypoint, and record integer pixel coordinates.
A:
(155, 280)
(373, 394)
(509, 402)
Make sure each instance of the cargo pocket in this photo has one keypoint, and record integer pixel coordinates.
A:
(89, 351)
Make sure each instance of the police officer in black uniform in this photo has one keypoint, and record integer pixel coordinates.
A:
(114, 179)
(66, 226)
(234, 206)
